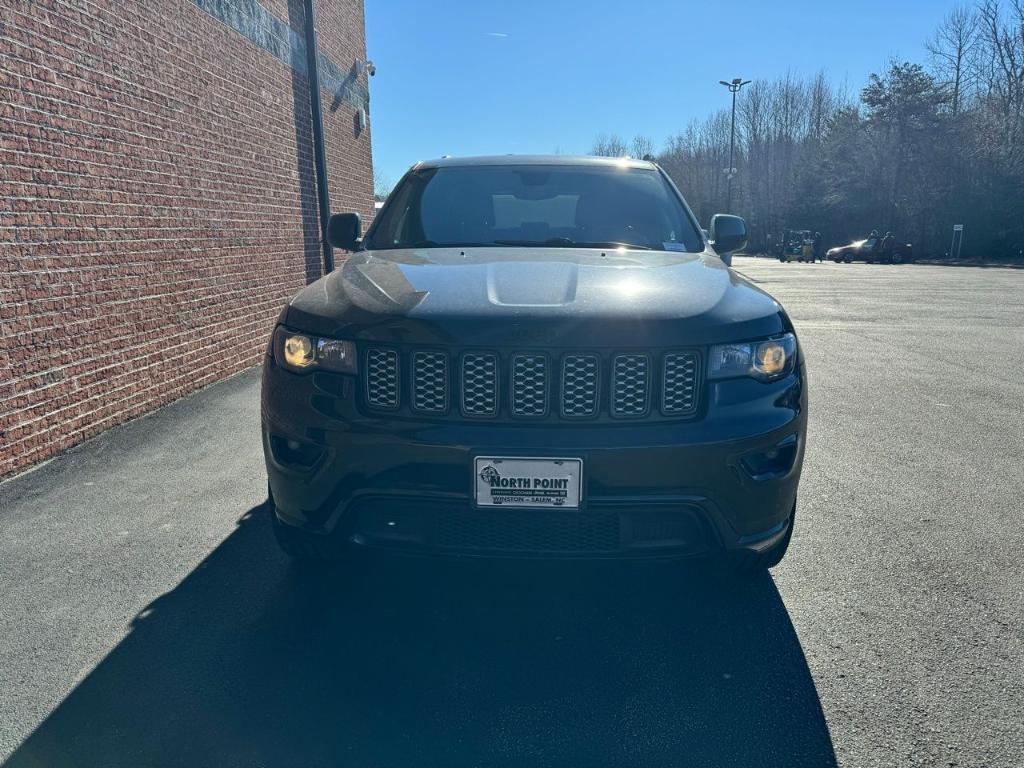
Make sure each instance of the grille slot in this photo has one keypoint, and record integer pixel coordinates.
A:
(382, 378)
(430, 382)
(529, 385)
(479, 384)
(679, 384)
(580, 377)
(631, 385)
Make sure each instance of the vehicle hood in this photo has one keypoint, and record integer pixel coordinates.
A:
(547, 296)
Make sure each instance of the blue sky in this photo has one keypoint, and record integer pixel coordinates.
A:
(463, 78)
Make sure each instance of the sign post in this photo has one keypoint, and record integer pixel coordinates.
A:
(958, 241)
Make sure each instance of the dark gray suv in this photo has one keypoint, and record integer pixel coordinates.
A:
(535, 356)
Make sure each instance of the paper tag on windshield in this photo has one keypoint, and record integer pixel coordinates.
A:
(674, 246)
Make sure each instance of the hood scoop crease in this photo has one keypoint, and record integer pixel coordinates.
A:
(542, 285)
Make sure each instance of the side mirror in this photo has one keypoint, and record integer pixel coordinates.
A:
(728, 233)
(344, 231)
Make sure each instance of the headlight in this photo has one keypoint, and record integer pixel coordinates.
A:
(298, 351)
(765, 360)
(301, 352)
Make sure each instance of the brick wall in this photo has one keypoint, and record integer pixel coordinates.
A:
(157, 198)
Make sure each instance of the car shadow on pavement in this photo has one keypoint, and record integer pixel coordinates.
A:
(395, 661)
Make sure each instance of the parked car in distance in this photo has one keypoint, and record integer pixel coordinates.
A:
(535, 356)
(869, 250)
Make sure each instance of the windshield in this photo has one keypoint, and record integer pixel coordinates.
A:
(555, 206)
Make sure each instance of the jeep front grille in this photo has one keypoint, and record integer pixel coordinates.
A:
(631, 385)
(529, 385)
(479, 384)
(570, 385)
(679, 384)
(430, 382)
(382, 378)
(580, 375)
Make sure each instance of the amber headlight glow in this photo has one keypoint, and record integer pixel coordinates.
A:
(302, 352)
(765, 360)
(298, 351)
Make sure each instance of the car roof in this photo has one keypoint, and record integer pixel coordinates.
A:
(563, 160)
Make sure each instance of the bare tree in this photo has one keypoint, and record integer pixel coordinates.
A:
(642, 147)
(951, 50)
(609, 145)
(919, 150)
(381, 185)
(696, 159)
(1003, 35)
(823, 102)
(1002, 71)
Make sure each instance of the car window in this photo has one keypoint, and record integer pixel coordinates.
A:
(535, 205)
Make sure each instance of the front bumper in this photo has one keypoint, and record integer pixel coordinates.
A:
(649, 490)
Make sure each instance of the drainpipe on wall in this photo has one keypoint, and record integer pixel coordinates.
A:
(319, 156)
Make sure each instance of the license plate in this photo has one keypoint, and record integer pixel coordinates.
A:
(506, 481)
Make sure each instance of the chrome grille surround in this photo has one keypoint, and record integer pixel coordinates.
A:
(529, 393)
(382, 378)
(631, 385)
(581, 375)
(679, 383)
(479, 384)
(429, 382)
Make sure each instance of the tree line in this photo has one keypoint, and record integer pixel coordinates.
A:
(921, 147)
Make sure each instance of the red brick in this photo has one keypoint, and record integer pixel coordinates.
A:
(151, 220)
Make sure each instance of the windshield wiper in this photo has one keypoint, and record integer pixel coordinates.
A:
(567, 242)
(433, 244)
(610, 244)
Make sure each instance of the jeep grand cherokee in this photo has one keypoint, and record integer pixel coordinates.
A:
(535, 356)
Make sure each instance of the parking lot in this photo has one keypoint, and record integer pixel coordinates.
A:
(148, 619)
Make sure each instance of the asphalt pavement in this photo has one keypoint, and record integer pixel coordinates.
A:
(146, 617)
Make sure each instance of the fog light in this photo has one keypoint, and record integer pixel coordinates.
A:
(295, 453)
(772, 463)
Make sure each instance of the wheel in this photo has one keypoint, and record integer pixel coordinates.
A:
(848, 261)
(751, 563)
(896, 257)
(305, 547)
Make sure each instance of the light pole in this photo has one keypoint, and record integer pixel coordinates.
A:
(734, 88)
